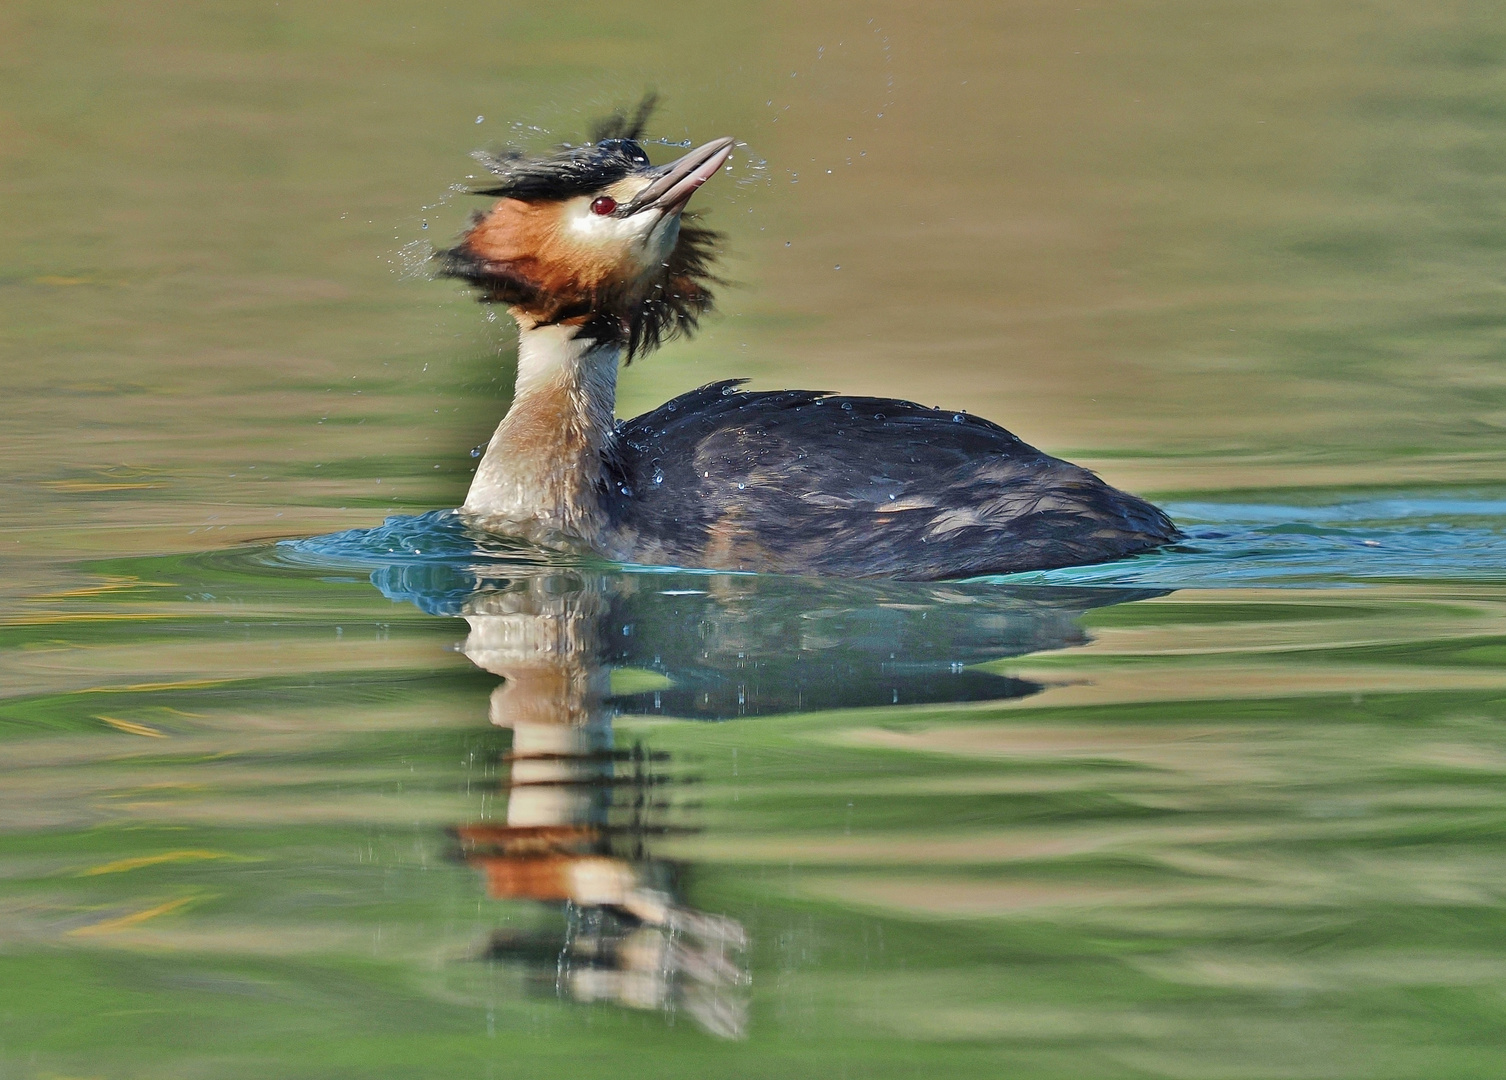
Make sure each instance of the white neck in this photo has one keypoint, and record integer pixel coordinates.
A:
(539, 477)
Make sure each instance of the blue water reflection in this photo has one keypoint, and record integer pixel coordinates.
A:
(1382, 538)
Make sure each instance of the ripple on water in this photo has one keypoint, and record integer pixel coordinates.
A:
(1394, 537)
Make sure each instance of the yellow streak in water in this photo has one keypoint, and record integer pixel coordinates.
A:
(110, 584)
(136, 918)
(82, 616)
(120, 866)
(137, 688)
(94, 485)
(130, 727)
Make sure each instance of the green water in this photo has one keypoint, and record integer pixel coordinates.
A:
(1232, 811)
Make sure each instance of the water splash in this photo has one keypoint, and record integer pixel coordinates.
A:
(1397, 537)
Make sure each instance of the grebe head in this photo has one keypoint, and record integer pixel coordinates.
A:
(595, 235)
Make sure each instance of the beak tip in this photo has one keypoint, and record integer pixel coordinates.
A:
(680, 179)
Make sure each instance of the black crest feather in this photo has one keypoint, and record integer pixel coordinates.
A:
(675, 302)
(622, 125)
(612, 153)
(680, 297)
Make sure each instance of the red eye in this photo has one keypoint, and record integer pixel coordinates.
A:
(603, 205)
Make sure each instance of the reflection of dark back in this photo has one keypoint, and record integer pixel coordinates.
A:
(579, 809)
(733, 645)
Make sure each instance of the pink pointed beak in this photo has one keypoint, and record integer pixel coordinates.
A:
(679, 180)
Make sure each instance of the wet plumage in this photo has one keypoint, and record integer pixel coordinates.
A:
(801, 482)
(589, 251)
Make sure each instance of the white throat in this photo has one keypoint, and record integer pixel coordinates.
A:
(541, 474)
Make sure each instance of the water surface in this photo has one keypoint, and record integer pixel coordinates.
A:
(298, 778)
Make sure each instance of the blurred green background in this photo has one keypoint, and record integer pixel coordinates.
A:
(1238, 250)
(1200, 247)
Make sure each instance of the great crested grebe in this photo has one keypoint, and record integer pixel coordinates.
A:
(590, 251)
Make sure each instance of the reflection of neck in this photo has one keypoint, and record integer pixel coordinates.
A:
(540, 475)
(544, 640)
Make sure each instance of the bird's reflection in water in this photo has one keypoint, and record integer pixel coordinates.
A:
(578, 814)
(582, 812)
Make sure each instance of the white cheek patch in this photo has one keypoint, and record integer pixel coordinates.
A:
(602, 229)
(608, 228)
(640, 240)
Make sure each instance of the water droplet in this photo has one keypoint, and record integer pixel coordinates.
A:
(476, 451)
(847, 406)
(740, 487)
(425, 225)
(658, 477)
(479, 119)
(957, 418)
(838, 266)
